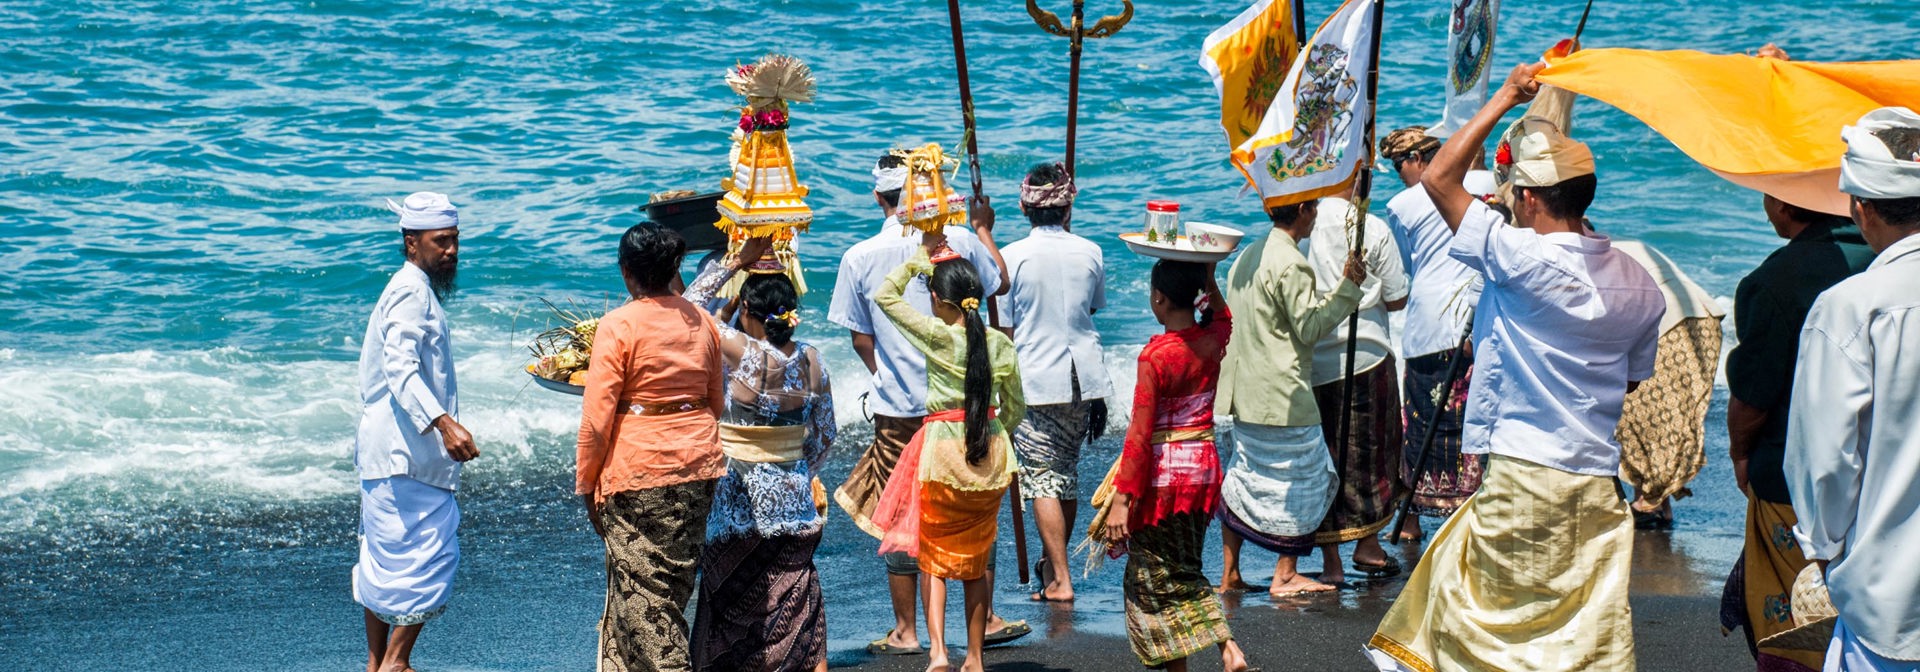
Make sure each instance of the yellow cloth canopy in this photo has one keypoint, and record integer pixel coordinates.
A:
(1762, 123)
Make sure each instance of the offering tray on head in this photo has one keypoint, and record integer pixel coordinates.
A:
(1205, 244)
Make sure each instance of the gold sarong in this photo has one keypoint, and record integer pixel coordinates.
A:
(1531, 574)
(1662, 435)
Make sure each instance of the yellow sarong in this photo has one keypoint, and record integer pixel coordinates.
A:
(1530, 574)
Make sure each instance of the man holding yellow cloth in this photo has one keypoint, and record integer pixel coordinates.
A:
(1532, 572)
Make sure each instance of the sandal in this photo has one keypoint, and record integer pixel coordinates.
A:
(1013, 630)
(1377, 571)
(880, 647)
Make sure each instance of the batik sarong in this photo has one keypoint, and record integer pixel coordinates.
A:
(1446, 478)
(1662, 430)
(1278, 486)
(1759, 593)
(1370, 472)
(1048, 442)
(1172, 611)
(760, 605)
(409, 548)
(861, 492)
(653, 542)
(1531, 574)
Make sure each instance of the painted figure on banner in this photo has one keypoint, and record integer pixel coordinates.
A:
(1326, 97)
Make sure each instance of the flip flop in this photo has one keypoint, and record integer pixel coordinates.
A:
(1043, 573)
(880, 647)
(1375, 572)
(1013, 630)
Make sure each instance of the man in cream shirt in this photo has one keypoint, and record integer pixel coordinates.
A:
(1853, 451)
(410, 446)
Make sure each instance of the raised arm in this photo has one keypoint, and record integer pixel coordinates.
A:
(1446, 176)
(1311, 315)
(920, 329)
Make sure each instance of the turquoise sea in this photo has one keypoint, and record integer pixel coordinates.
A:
(191, 238)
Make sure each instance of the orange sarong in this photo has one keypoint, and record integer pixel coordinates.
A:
(949, 529)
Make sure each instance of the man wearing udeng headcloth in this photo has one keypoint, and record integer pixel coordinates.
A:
(1853, 457)
(409, 447)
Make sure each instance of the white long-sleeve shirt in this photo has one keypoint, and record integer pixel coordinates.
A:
(1853, 448)
(406, 382)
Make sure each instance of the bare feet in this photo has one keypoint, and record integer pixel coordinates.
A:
(1054, 592)
(1231, 658)
(1409, 531)
(1333, 578)
(973, 663)
(1232, 583)
(1297, 585)
(939, 663)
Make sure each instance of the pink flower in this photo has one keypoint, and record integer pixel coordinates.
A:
(746, 122)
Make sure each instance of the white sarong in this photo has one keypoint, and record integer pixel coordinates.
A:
(409, 547)
(1281, 481)
(1848, 654)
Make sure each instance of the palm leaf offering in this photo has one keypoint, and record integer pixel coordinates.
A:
(563, 351)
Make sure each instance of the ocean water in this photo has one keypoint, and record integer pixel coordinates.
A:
(191, 238)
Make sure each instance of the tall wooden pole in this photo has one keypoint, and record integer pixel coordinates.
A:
(1361, 202)
(973, 165)
(1073, 77)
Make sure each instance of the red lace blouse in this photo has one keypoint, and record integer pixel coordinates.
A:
(1169, 464)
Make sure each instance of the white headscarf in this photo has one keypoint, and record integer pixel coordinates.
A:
(425, 211)
(1869, 169)
(1543, 156)
(889, 179)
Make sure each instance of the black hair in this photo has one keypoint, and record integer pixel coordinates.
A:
(955, 281)
(1182, 282)
(651, 254)
(1811, 217)
(1568, 199)
(1426, 156)
(766, 295)
(1046, 174)
(1285, 214)
(1905, 145)
(889, 161)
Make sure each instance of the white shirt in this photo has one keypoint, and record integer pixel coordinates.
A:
(1058, 280)
(1444, 291)
(1386, 281)
(1853, 448)
(406, 382)
(900, 386)
(1565, 322)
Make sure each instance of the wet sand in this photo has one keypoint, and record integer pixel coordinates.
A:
(1674, 619)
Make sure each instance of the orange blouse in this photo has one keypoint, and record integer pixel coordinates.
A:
(646, 353)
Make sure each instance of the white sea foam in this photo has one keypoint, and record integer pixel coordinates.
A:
(227, 422)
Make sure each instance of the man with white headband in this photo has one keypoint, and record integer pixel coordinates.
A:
(898, 400)
(1058, 281)
(1532, 572)
(1853, 434)
(410, 445)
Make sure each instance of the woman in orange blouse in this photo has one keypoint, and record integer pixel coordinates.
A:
(649, 453)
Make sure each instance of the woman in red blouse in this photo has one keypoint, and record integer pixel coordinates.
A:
(1168, 480)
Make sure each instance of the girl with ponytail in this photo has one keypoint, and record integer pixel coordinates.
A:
(942, 503)
(1159, 497)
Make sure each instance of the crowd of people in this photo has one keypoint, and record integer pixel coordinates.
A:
(1540, 364)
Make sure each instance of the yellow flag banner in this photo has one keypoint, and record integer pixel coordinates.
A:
(1766, 124)
(1248, 59)
(1312, 140)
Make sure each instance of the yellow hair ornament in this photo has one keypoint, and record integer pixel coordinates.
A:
(970, 303)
